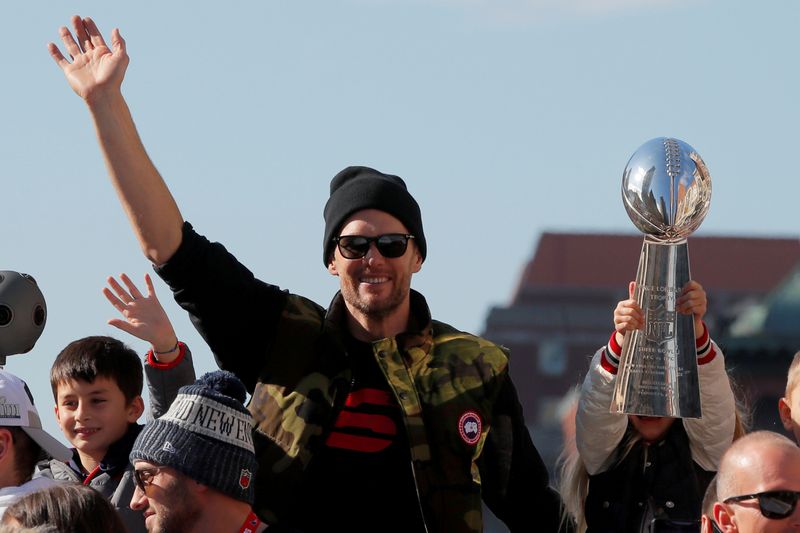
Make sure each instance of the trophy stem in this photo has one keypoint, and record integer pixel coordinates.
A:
(658, 367)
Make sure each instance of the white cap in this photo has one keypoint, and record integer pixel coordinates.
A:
(17, 409)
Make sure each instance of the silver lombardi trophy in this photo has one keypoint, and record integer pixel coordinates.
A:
(666, 189)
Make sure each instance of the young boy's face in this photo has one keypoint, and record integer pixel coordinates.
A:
(94, 415)
(789, 409)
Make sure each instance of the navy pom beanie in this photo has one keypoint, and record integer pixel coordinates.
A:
(207, 435)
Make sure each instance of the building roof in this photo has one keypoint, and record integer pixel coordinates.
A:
(746, 264)
(777, 316)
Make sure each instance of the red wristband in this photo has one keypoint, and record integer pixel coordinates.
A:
(152, 361)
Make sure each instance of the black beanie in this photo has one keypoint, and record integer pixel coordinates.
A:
(207, 435)
(357, 188)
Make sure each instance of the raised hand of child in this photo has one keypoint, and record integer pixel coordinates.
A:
(628, 315)
(144, 317)
(692, 301)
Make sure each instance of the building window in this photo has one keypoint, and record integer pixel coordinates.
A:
(552, 358)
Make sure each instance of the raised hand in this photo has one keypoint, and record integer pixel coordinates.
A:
(96, 73)
(143, 315)
(628, 315)
(95, 66)
(692, 301)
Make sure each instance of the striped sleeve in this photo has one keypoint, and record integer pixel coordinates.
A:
(705, 348)
(609, 359)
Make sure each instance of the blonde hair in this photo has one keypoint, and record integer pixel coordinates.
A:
(573, 479)
(742, 418)
(573, 484)
(793, 375)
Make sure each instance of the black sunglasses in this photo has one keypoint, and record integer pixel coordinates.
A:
(144, 477)
(390, 245)
(772, 504)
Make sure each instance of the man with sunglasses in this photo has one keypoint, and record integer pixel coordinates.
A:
(193, 468)
(369, 415)
(758, 484)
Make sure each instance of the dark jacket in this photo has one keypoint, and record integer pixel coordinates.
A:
(666, 480)
(658, 481)
(114, 479)
(290, 353)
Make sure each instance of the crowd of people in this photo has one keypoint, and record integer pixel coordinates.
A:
(365, 415)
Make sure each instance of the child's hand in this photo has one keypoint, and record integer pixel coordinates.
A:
(628, 315)
(692, 301)
(144, 316)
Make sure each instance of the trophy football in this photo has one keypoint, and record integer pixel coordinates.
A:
(666, 189)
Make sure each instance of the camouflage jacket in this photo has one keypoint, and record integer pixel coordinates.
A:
(460, 410)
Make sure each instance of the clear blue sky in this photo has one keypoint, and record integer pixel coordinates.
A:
(506, 118)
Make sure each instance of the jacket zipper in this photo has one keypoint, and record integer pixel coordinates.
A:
(411, 459)
(419, 498)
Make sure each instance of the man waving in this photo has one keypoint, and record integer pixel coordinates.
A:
(369, 415)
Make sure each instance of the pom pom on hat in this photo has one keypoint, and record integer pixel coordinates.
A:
(207, 435)
(225, 383)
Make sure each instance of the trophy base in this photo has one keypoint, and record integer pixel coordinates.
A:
(658, 367)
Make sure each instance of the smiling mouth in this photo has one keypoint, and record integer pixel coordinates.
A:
(374, 280)
(86, 432)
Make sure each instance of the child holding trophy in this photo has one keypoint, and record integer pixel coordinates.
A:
(647, 473)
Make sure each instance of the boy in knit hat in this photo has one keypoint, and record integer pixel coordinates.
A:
(194, 466)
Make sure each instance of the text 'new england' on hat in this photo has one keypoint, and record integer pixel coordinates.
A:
(207, 435)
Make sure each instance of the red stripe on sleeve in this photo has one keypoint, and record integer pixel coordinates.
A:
(712, 353)
(615, 347)
(703, 338)
(607, 366)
